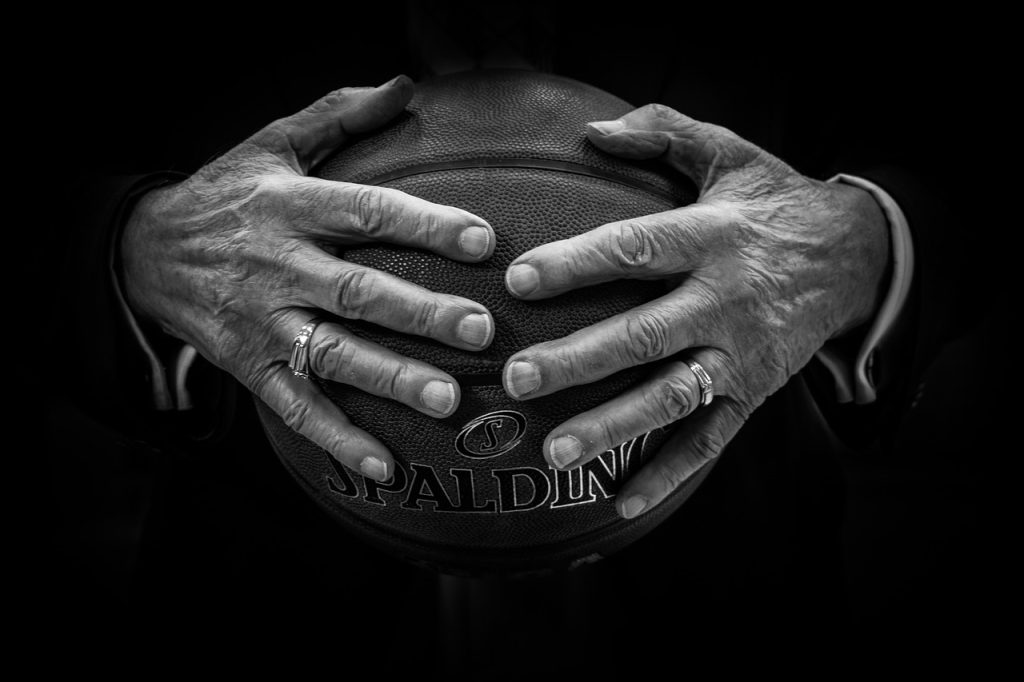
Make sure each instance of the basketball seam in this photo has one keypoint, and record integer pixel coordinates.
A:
(527, 163)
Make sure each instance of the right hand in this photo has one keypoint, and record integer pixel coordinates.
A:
(233, 261)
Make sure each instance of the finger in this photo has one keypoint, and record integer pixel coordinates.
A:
(346, 212)
(357, 292)
(339, 355)
(687, 456)
(653, 331)
(306, 410)
(671, 393)
(702, 151)
(305, 138)
(654, 246)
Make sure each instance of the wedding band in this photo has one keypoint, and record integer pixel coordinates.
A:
(299, 362)
(704, 380)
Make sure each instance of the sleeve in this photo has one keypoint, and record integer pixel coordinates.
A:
(942, 303)
(129, 374)
(156, 366)
(854, 375)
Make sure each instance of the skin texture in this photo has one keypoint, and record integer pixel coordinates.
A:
(765, 268)
(762, 270)
(236, 259)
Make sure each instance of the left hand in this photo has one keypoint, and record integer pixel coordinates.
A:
(762, 270)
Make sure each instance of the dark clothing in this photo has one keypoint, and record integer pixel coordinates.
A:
(821, 525)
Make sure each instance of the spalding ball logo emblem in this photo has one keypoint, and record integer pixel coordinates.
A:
(493, 434)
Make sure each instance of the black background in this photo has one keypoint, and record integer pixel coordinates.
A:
(118, 95)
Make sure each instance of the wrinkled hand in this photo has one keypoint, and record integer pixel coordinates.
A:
(762, 270)
(234, 261)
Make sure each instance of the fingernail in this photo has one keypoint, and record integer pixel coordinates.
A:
(374, 468)
(475, 241)
(522, 378)
(521, 279)
(607, 127)
(633, 506)
(391, 82)
(565, 450)
(475, 329)
(438, 396)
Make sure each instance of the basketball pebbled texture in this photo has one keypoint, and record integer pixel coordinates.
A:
(472, 493)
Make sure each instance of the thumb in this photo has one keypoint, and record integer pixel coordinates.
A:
(306, 138)
(702, 151)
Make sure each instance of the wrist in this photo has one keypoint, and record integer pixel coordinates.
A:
(137, 248)
(862, 378)
(126, 222)
(867, 236)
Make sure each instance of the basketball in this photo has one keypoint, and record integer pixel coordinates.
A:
(472, 493)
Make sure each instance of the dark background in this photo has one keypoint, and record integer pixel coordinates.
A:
(170, 91)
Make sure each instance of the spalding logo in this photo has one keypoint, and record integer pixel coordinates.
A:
(483, 490)
(491, 435)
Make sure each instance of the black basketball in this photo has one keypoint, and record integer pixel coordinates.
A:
(473, 492)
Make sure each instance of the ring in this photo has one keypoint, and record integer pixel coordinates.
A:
(704, 379)
(299, 362)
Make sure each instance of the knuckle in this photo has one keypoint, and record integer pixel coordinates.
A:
(257, 379)
(721, 133)
(394, 380)
(369, 205)
(330, 354)
(576, 263)
(632, 247)
(610, 433)
(730, 215)
(425, 316)
(335, 444)
(647, 336)
(297, 415)
(353, 290)
(731, 227)
(270, 191)
(661, 111)
(666, 118)
(274, 137)
(429, 226)
(574, 366)
(733, 151)
(707, 444)
(384, 378)
(329, 102)
(675, 399)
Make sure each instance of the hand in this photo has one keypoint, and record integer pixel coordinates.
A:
(761, 271)
(234, 261)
